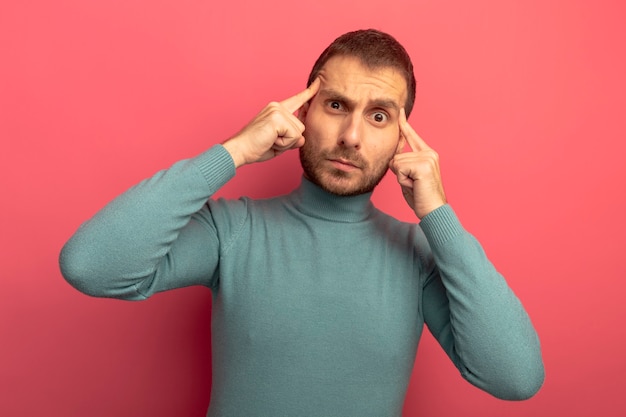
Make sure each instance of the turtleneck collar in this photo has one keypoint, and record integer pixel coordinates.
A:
(314, 201)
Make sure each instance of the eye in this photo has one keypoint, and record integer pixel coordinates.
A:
(335, 105)
(379, 117)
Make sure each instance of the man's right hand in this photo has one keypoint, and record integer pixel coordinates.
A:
(273, 131)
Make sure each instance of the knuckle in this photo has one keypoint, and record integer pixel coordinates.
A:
(433, 154)
(273, 108)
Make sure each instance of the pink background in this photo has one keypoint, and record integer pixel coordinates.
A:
(524, 100)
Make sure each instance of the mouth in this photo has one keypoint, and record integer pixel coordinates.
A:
(344, 164)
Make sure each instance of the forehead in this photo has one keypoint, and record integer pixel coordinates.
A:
(347, 76)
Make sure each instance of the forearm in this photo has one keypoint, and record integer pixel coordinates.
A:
(476, 316)
(116, 252)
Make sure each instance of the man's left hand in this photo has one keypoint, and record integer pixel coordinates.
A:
(418, 172)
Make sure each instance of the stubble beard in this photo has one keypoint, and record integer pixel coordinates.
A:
(336, 181)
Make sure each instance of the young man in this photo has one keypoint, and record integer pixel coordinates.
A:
(319, 298)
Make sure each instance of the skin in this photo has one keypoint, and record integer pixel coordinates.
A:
(356, 129)
(352, 126)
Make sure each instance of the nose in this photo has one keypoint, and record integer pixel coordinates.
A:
(351, 132)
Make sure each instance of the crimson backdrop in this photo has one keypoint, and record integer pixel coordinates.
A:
(524, 100)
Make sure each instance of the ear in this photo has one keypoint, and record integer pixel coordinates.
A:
(303, 111)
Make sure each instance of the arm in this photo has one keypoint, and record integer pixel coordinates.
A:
(150, 239)
(475, 316)
(159, 234)
(467, 304)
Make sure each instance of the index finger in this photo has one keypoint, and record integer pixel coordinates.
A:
(293, 103)
(416, 143)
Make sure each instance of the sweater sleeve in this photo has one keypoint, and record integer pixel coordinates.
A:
(474, 314)
(153, 237)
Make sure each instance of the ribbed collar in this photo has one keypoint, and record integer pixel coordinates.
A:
(313, 201)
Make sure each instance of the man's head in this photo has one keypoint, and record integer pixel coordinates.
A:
(352, 124)
(374, 49)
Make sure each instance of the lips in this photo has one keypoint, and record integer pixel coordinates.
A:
(342, 164)
(343, 161)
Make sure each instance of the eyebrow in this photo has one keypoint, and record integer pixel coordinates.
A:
(378, 102)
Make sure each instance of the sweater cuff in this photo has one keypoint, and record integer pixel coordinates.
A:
(216, 165)
(441, 225)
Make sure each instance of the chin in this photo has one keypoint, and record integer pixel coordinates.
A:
(339, 183)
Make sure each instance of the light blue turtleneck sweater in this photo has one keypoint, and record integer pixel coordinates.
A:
(318, 301)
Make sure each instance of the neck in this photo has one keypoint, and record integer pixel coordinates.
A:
(311, 199)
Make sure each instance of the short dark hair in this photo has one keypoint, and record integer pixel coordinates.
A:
(375, 49)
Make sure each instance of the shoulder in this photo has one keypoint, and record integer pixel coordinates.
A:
(407, 233)
(228, 211)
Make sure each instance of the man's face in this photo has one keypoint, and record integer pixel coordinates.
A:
(352, 127)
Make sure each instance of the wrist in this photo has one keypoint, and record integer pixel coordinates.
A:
(422, 210)
(231, 147)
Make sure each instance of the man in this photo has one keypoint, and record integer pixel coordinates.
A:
(319, 298)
